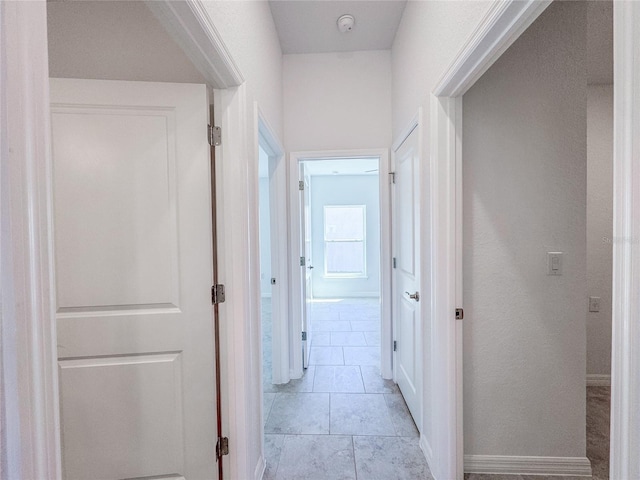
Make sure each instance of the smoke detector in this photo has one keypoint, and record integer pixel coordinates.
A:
(346, 23)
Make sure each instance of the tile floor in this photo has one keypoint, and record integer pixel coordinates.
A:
(341, 420)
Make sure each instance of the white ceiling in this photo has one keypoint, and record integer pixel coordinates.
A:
(309, 26)
(600, 42)
(347, 166)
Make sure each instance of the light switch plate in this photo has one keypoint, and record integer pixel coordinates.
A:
(594, 304)
(555, 263)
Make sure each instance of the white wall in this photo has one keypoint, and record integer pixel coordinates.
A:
(113, 41)
(524, 171)
(346, 190)
(428, 39)
(599, 225)
(250, 35)
(336, 101)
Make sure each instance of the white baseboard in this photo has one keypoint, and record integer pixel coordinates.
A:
(598, 380)
(512, 465)
(426, 449)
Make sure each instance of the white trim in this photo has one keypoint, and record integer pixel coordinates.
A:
(445, 343)
(503, 23)
(191, 26)
(625, 391)
(514, 465)
(279, 244)
(237, 314)
(598, 380)
(426, 449)
(386, 350)
(30, 420)
(501, 26)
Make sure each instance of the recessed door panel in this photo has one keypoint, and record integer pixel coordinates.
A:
(115, 207)
(144, 422)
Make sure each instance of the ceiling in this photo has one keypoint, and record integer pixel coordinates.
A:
(347, 166)
(309, 26)
(600, 42)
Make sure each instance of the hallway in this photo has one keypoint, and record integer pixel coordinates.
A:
(341, 420)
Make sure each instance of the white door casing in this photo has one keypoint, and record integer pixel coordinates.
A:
(406, 292)
(305, 241)
(133, 266)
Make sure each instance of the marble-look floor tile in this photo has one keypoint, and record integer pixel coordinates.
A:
(317, 457)
(299, 413)
(348, 339)
(330, 326)
(374, 383)
(360, 414)
(303, 384)
(400, 416)
(267, 403)
(372, 338)
(345, 379)
(365, 325)
(326, 356)
(321, 339)
(272, 449)
(324, 314)
(362, 356)
(386, 458)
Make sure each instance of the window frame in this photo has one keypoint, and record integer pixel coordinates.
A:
(363, 273)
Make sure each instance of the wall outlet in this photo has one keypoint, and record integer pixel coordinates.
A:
(554, 263)
(594, 304)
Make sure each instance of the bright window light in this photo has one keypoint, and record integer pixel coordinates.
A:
(345, 240)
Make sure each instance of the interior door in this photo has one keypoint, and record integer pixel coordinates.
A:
(307, 292)
(407, 325)
(133, 233)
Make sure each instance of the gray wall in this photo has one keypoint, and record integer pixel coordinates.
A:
(599, 225)
(525, 195)
(345, 190)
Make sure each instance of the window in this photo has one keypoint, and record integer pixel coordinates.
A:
(344, 241)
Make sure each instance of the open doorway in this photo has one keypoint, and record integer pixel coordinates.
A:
(341, 403)
(537, 229)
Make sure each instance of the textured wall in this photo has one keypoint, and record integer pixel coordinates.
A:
(250, 35)
(337, 100)
(428, 39)
(599, 225)
(524, 171)
(113, 41)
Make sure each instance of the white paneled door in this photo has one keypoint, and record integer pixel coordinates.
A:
(407, 278)
(133, 260)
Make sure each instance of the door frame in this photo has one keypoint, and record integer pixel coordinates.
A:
(386, 349)
(502, 25)
(280, 248)
(29, 380)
